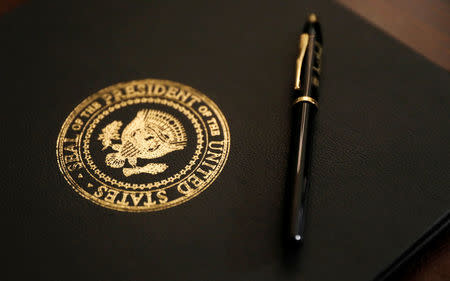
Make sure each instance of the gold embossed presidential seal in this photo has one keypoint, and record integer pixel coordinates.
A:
(143, 145)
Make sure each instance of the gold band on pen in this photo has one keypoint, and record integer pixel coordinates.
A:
(306, 99)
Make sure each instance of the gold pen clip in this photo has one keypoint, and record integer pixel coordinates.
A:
(303, 44)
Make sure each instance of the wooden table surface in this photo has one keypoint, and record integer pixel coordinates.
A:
(422, 25)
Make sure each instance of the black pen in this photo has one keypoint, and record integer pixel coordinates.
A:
(304, 108)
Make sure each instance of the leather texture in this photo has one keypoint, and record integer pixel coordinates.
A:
(380, 169)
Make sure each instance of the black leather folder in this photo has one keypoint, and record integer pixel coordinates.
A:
(380, 168)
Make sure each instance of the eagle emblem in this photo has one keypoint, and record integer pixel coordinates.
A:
(150, 135)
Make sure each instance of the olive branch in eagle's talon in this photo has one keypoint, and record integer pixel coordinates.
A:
(110, 133)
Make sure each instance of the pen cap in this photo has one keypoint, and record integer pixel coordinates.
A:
(312, 28)
(309, 68)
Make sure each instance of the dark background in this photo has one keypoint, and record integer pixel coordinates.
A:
(379, 172)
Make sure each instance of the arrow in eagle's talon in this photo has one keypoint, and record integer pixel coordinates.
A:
(152, 168)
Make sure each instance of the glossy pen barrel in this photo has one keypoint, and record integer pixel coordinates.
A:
(304, 108)
(303, 115)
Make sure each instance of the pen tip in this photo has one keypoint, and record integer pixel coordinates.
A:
(296, 240)
(312, 17)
